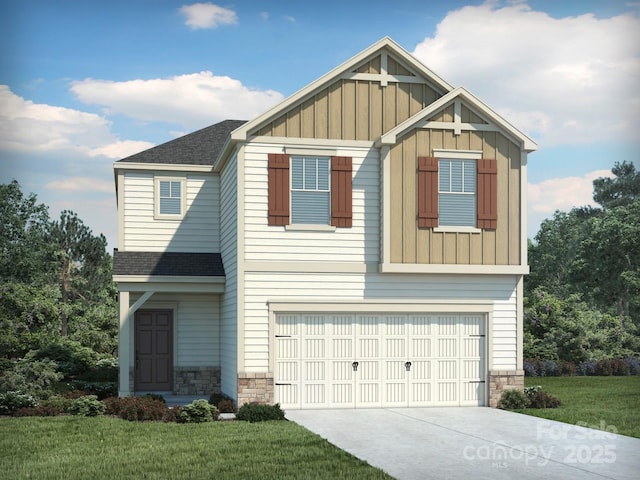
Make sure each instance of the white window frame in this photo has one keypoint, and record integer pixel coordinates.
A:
(314, 226)
(442, 154)
(183, 197)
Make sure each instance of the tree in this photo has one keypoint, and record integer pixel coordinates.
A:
(24, 251)
(81, 261)
(622, 190)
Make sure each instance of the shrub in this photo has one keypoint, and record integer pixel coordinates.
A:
(530, 391)
(586, 368)
(155, 396)
(612, 366)
(634, 365)
(103, 370)
(38, 411)
(88, 406)
(530, 367)
(226, 406)
(173, 414)
(541, 399)
(198, 411)
(34, 378)
(12, 401)
(256, 412)
(101, 390)
(513, 399)
(72, 358)
(61, 403)
(566, 368)
(136, 409)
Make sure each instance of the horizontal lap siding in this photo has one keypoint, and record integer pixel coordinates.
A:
(261, 288)
(196, 327)
(198, 231)
(359, 243)
(229, 307)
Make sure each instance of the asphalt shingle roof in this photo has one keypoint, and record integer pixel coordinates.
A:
(168, 263)
(198, 148)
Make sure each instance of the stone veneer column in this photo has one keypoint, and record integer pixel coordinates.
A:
(255, 388)
(501, 380)
(196, 380)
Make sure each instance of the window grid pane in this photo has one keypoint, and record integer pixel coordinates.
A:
(457, 188)
(170, 197)
(310, 194)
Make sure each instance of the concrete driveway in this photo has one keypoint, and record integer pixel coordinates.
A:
(439, 443)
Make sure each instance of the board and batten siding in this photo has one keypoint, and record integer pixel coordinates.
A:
(359, 243)
(197, 231)
(410, 244)
(350, 109)
(229, 251)
(262, 288)
(196, 327)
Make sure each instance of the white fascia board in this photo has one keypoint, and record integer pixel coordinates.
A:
(241, 133)
(165, 167)
(420, 119)
(454, 269)
(156, 283)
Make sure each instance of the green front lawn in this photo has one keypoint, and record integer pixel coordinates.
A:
(601, 402)
(107, 448)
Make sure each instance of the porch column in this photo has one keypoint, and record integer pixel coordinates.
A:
(124, 353)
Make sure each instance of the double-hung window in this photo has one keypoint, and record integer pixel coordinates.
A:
(457, 192)
(169, 197)
(310, 190)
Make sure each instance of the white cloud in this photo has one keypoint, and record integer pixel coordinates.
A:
(563, 194)
(207, 15)
(567, 80)
(26, 126)
(81, 184)
(192, 100)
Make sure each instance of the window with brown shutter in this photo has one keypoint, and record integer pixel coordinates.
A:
(487, 194)
(427, 192)
(278, 186)
(341, 192)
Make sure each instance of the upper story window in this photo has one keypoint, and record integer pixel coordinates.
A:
(169, 197)
(457, 193)
(310, 190)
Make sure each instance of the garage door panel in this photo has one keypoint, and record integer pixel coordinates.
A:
(316, 355)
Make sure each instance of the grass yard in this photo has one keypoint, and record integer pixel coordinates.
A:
(596, 401)
(107, 448)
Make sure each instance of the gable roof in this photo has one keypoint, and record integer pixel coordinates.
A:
(201, 147)
(422, 117)
(386, 44)
(168, 263)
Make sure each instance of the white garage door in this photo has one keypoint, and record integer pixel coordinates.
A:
(364, 361)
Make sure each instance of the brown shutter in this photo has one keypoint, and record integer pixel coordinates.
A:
(278, 189)
(427, 192)
(341, 192)
(487, 194)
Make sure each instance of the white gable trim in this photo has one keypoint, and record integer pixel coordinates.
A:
(344, 69)
(419, 120)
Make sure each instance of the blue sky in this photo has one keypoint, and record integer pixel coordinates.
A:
(84, 83)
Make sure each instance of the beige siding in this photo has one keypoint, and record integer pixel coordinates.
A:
(198, 231)
(409, 244)
(353, 109)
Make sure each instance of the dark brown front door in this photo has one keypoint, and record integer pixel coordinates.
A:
(154, 350)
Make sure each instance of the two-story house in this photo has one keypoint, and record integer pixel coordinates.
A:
(361, 244)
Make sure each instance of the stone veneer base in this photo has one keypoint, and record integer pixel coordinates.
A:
(501, 380)
(255, 388)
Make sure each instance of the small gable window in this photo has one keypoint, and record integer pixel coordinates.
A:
(169, 199)
(457, 193)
